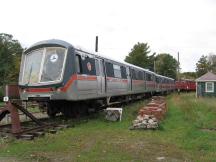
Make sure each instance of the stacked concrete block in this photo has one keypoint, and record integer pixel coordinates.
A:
(145, 122)
(150, 115)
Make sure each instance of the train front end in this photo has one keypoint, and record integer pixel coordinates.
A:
(43, 73)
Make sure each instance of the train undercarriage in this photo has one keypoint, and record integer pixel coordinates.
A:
(74, 109)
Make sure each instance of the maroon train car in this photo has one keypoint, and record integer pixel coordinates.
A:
(186, 85)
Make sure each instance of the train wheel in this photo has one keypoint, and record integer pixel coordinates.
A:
(51, 111)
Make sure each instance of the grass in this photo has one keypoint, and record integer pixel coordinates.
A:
(181, 137)
(1, 104)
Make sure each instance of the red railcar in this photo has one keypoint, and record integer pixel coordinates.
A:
(186, 85)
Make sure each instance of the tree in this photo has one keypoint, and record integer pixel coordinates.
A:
(166, 65)
(188, 75)
(212, 61)
(10, 54)
(139, 56)
(202, 66)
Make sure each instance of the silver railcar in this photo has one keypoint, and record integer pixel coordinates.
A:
(69, 80)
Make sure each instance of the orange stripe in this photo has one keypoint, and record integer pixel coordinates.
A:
(80, 77)
(111, 79)
(67, 85)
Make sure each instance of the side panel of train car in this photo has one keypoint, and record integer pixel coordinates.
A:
(186, 85)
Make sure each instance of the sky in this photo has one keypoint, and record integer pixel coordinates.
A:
(168, 26)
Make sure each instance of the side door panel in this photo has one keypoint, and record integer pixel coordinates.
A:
(129, 79)
(100, 76)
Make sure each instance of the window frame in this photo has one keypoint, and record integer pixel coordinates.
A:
(82, 56)
(78, 64)
(109, 69)
(206, 87)
(133, 74)
(123, 72)
(44, 49)
(117, 71)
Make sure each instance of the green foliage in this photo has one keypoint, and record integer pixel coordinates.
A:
(139, 56)
(212, 62)
(1, 93)
(166, 65)
(202, 66)
(10, 54)
(188, 75)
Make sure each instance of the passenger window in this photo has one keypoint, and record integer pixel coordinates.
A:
(148, 77)
(128, 71)
(77, 62)
(157, 80)
(137, 75)
(109, 69)
(88, 66)
(101, 67)
(140, 75)
(123, 72)
(117, 71)
(152, 78)
(97, 67)
(133, 74)
(144, 76)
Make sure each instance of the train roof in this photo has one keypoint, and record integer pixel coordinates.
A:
(164, 76)
(61, 43)
(50, 42)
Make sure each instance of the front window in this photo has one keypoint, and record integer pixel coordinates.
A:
(209, 86)
(43, 65)
(53, 64)
(32, 67)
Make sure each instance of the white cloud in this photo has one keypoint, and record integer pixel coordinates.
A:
(170, 26)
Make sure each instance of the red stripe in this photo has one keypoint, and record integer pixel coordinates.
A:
(125, 81)
(39, 90)
(138, 81)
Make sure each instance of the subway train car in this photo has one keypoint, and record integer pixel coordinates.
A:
(70, 80)
(186, 85)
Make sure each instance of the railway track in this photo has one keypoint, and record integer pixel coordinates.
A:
(39, 127)
(30, 129)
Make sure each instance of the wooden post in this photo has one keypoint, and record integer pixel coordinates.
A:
(15, 120)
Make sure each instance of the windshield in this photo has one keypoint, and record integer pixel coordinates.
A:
(32, 67)
(53, 64)
(43, 65)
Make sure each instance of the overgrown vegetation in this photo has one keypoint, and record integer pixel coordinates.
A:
(181, 137)
(10, 55)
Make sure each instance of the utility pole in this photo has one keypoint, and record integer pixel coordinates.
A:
(96, 44)
(178, 75)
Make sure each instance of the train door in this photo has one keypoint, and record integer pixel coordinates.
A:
(129, 79)
(144, 79)
(100, 76)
